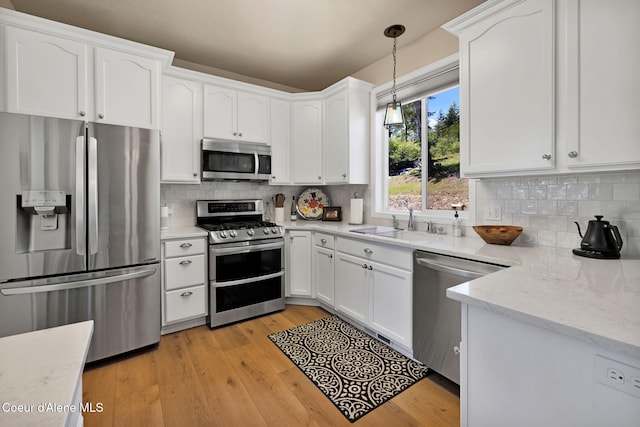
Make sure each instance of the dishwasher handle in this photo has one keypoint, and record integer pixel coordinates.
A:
(447, 269)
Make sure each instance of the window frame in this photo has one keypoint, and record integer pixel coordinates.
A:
(410, 87)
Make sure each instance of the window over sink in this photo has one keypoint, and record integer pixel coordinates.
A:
(419, 164)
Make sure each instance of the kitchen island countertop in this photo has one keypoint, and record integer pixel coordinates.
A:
(41, 375)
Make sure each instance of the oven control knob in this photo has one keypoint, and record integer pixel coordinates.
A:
(250, 231)
(274, 230)
(266, 231)
(232, 233)
(222, 234)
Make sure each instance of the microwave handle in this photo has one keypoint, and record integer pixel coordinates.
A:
(257, 164)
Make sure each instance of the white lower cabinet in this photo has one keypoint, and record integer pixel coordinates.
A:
(184, 284)
(373, 286)
(323, 268)
(298, 263)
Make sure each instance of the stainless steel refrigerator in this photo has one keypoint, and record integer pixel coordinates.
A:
(79, 230)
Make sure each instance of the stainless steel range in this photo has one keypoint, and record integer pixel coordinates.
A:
(246, 260)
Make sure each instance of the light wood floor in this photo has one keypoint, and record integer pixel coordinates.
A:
(235, 376)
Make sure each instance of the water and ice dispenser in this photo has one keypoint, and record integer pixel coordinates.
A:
(43, 221)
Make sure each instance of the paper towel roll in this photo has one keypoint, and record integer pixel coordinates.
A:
(356, 211)
(279, 215)
(164, 217)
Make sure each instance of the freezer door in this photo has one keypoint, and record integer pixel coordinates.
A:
(123, 196)
(41, 196)
(123, 303)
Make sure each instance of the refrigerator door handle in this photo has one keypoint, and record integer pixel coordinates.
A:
(81, 248)
(92, 182)
(78, 284)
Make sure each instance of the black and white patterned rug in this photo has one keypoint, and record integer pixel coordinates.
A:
(355, 371)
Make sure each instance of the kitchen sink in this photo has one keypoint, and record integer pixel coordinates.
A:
(378, 230)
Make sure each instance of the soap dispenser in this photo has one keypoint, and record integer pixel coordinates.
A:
(457, 229)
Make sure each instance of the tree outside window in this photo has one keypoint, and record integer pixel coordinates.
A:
(424, 156)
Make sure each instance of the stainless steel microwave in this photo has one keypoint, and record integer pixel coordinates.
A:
(226, 160)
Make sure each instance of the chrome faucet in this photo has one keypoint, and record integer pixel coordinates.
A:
(394, 222)
(430, 227)
(411, 225)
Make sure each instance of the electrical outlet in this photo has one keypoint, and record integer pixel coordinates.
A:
(493, 212)
(618, 375)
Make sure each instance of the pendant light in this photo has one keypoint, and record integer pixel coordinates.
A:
(394, 116)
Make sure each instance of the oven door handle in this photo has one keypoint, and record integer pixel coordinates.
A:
(244, 249)
(248, 280)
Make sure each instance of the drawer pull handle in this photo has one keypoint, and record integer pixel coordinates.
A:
(186, 294)
(185, 262)
(186, 245)
(368, 251)
(324, 241)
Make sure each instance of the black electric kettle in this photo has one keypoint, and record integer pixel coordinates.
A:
(601, 240)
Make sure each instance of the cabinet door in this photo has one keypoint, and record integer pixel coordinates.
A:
(603, 85)
(352, 287)
(323, 269)
(307, 142)
(280, 142)
(181, 130)
(298, 269)
(253, 118)
(220, 119)
(391, 304)
(335, 139)
(46, 75)
(507, 91)
(127, 88)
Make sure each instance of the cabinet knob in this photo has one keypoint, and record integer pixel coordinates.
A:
(186, 294)
(82, 113)
(273, 177)
(235, 133)
(330, 256)
(546, 156)
(319, 178)
(344, 175)
(323, 241)
(185, 262)
(573, 154)
(195, 174)
(240, 134)
(186, 245)
(456, 349)
(290, 237)
(101, 116)
(368, 251)
(370, 267)
(364, 266)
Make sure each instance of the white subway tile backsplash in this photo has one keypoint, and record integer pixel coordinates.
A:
(547, 206)
(626, 192)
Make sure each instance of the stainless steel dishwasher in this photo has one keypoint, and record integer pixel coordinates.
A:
(436, 318)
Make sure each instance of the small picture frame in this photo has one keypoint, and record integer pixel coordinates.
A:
(332, 213)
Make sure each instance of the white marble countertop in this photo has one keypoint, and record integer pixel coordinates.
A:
(39, 371)
(182, 233)
(589, 299)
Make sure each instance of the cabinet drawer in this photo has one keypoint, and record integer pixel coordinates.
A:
(185, 271)
(395, 256)
(174, 248)
(323, 240)
(185, 303)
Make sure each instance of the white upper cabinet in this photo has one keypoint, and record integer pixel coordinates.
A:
(126, 89)
(346, 134)
(506, 88)
(602, 85)
(280, 141)
(181, 130)
(549, 87)
(235, 115)
(46, 75)
(307, 142)
(55, 70)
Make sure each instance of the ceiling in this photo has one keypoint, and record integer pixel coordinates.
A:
(303, 44)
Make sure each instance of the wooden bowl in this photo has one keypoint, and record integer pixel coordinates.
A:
(498, 234)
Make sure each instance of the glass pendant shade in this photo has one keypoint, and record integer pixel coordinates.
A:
(394, 115)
